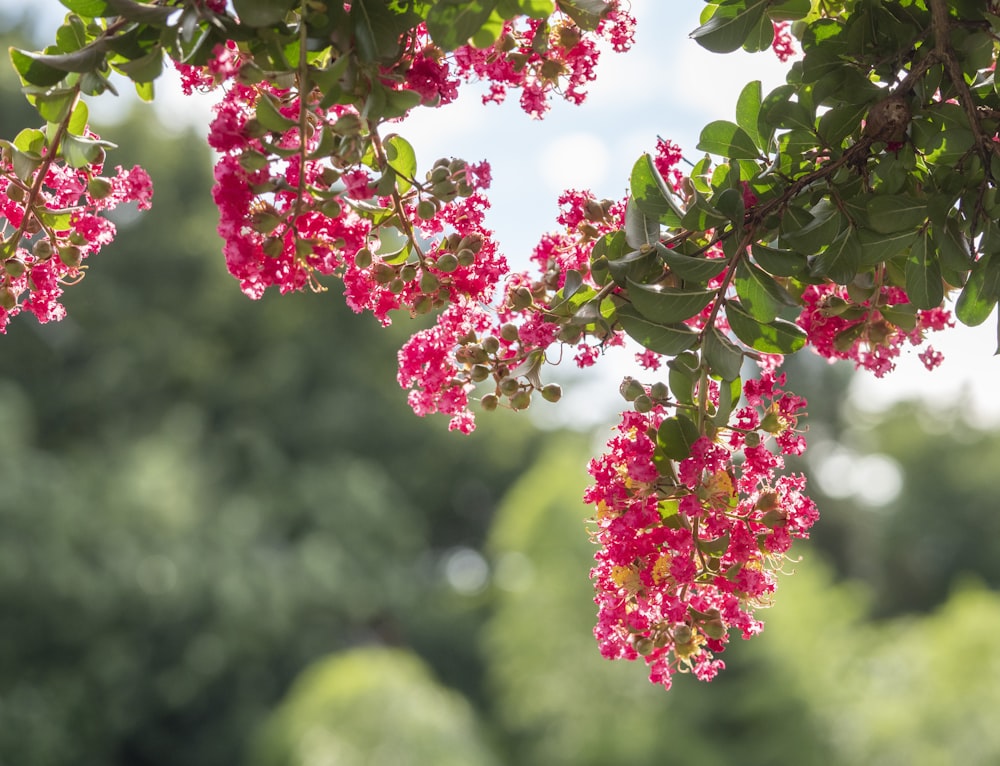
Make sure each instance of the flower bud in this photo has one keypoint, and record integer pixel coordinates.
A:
(383, 273)
(643, 403)
(14, 266)
(99, 187)
(15, 192)
(428, 282)
(631, 389)
(521, 400)
(466, 257)
(714, 628)
(396, 286)
(491, 345)
(768, 500)
(273, 247)
(509, 332)
(473, 242)
(489, 402)
(570, 333)
(42, 249)
(426, 209)
(659, 391)
(771, 423)
(7, 299)
(331, 208)
(479, 373)
(408, 273)
(683, 634)
(446, 263)
(363, 258)
(520, 298)
(552, 392)
(752, 439)
(423, 304)
(643, 646)
(71, 256)
(509, 386)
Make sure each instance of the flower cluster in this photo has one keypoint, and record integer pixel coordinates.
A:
(689, 549)
(542, 56)
(872, 330)
(51, 222)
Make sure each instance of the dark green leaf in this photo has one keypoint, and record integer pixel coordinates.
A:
(641, 231)
(262, 13)
(878, 248)
(663, 339)
(451, 23)
(666, 305)
(267, 114)
(748, 110)
(675, 437)
(777, 337)
(762, 297)
(651, 194)
(724, 358)
(896, 212)
(682, 375)
(953, 248)
(727, 139)
(841, 260)
(923, 275)
(824, 221)
(692, 268)
(781, 263)
(981, 292)
(403, 159)
(586, 14)
(730, 26)
(145, 68)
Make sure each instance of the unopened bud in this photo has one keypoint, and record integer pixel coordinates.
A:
(479, 373)
(71, 256)
(428, 282)
(509, 386)
(363, 258)
(489, 402)
(520, 298)
(552, 392)
(15, 192)
(99, 187)
(42, 249)
(521, 400)
(631, 389)
(447, 263)
(643, 403)
(408, 273)
(426, 209)
(396, 286)
(466, 257)
(273, 247)
(683, 634)
(383, 273)
(643, 646)
(14, 266)
(491, 345)
(7, 299)
(659, 391)
(509, 332)
(752, 439)
(714, 628)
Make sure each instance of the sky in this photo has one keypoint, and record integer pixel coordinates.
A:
(665, 86)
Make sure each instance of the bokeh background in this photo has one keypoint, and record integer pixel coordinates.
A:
(224, 538)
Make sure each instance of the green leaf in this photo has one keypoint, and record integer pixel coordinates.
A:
(729, 397)
(888, 214)
(730, 26)
(683, 371)
(878, 248)
(652, 195)
(641, 231)
(981, 292)
(777, 337)
(727, 139)
(923, 275)
(789, 10)
(391, 241)
(586, 14)
(267, 114)
(145, 68)
(781, 263)
(676, 435)
(666, 305)
(54, 104)
(724, 358)
(78, 120)
(35, 72)
(953, 248)
(821, 224)
(841, 260)
(403, 159)
(748, 111)
(262, 13)
(80, 151)
(377, 29)
(451, 23)
(30, 140)
(692, 268)
(91, 8)
(669, 340)
(759, 293)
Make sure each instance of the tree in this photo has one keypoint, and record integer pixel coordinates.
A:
(840, 211)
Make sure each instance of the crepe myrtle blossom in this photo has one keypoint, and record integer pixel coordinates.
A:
(690, 549)
(51, 223)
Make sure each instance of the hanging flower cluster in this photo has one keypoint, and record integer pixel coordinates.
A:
(690, 549)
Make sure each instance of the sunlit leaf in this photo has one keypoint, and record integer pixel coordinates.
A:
(777, 337)
(663, 339)
(667, 305)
